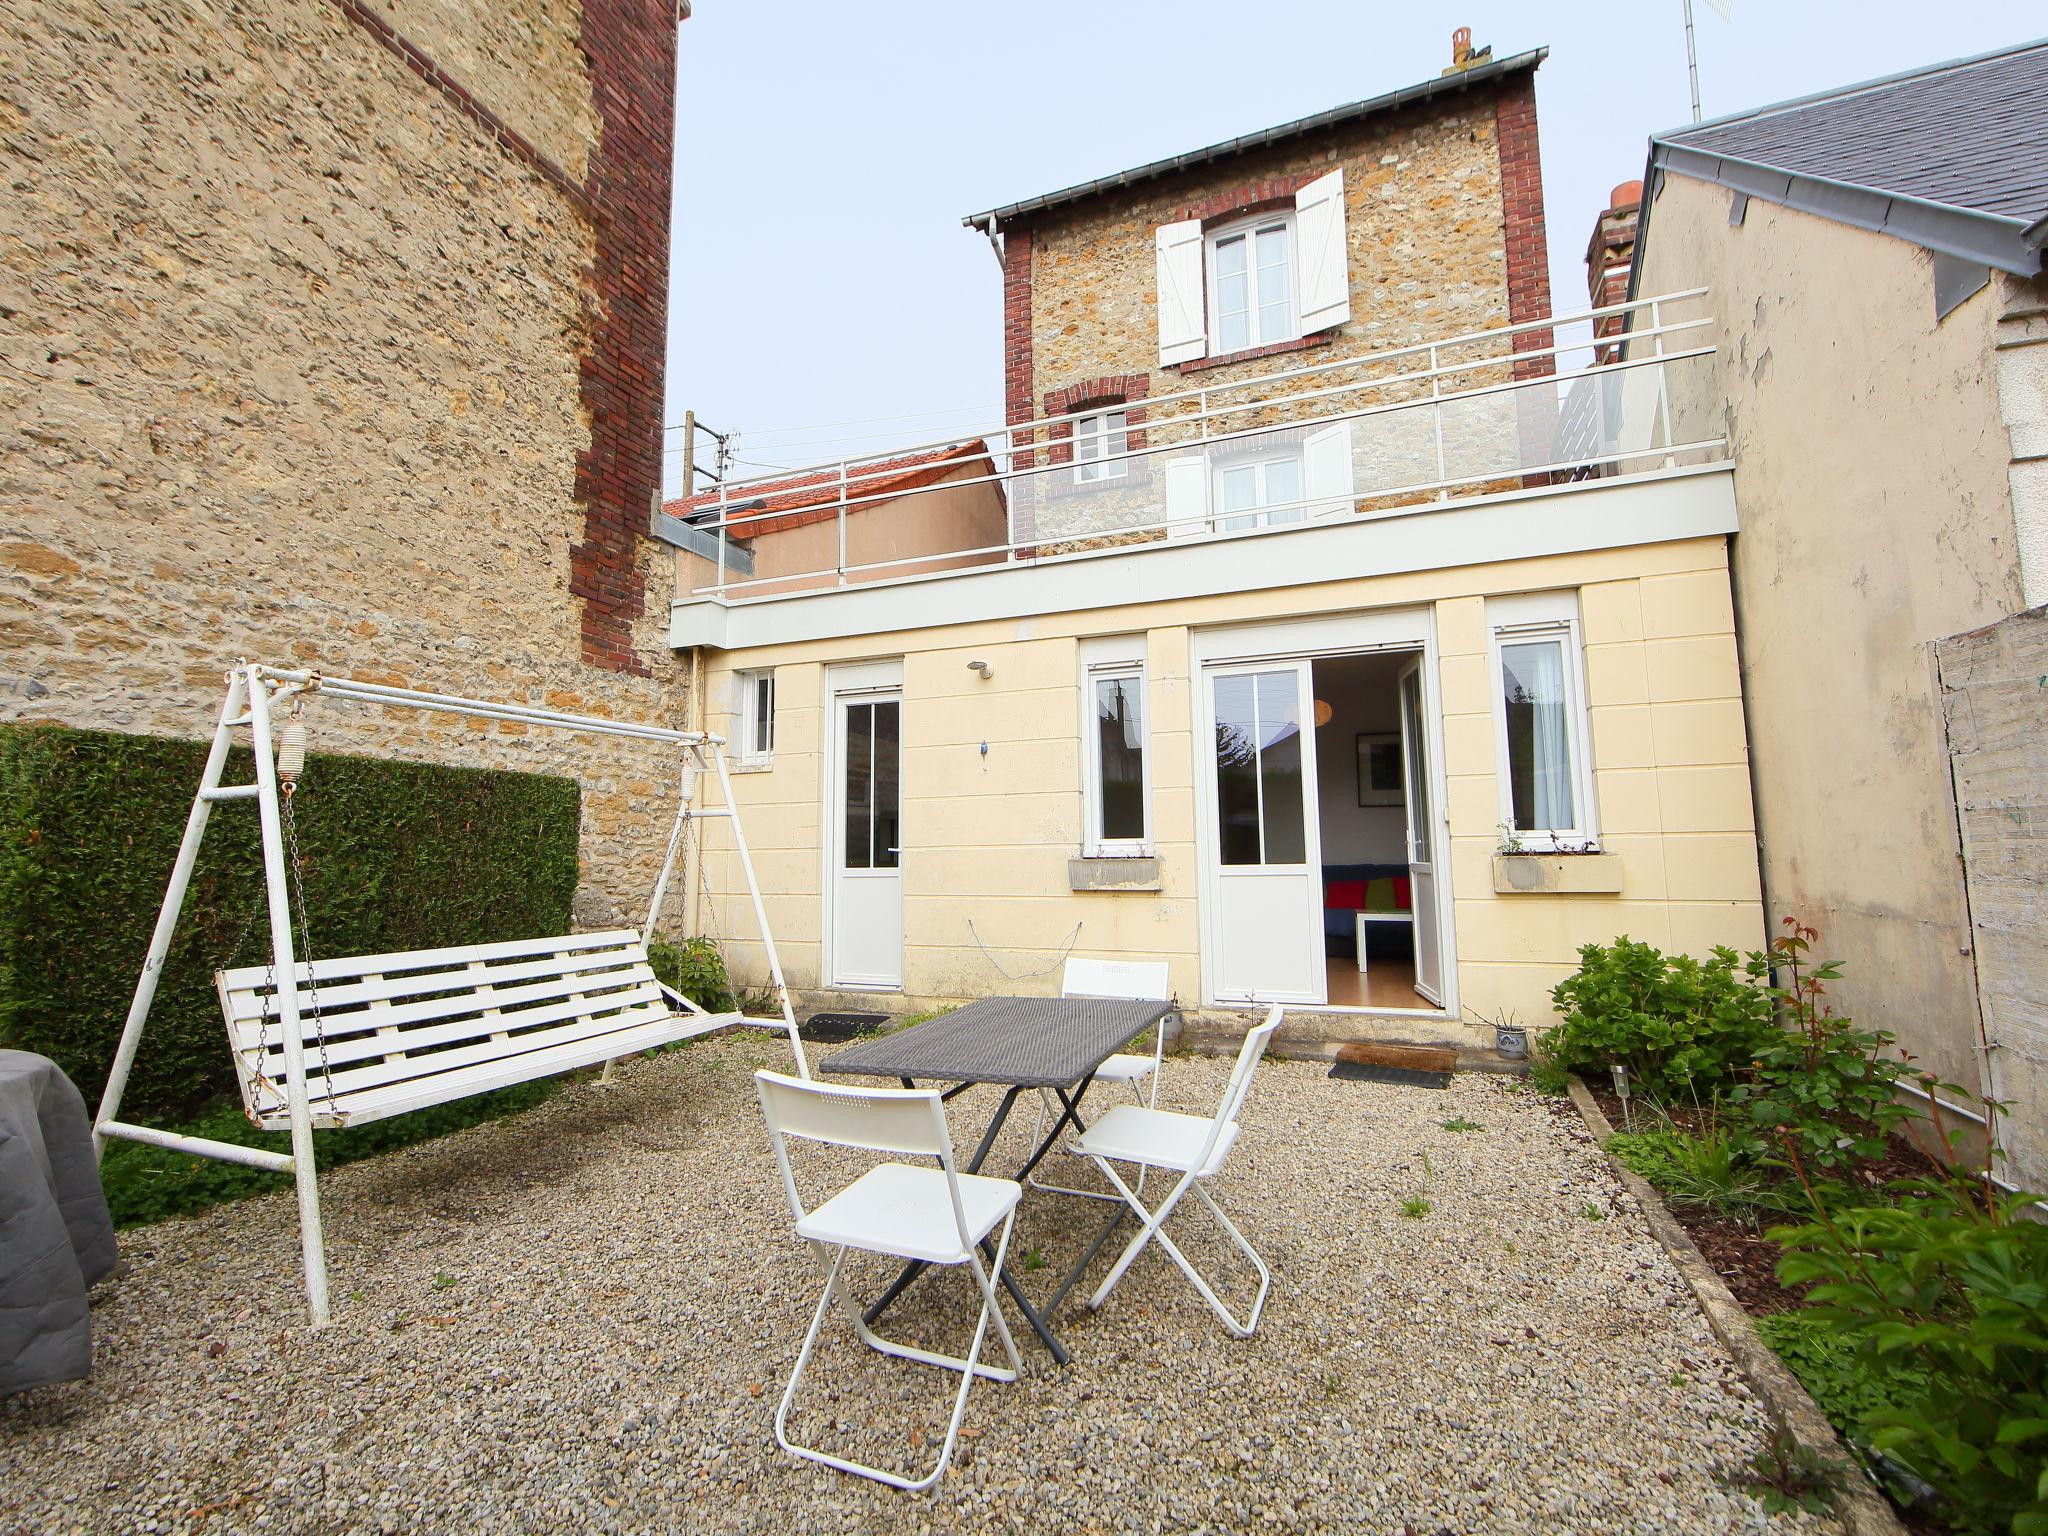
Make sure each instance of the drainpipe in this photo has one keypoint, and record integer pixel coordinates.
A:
(995, 242)
(693, 865)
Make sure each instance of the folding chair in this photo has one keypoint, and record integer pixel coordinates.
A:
(938, 1215)
(1195, 1149)
(1143, 979)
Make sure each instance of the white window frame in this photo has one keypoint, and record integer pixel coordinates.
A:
(1249, 229)
(1095, 433)
(1259, 514)
(1118, 659)
(752, 746)
(1519, 620)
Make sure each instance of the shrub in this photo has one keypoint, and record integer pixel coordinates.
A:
(1681, 1026)
(401, 856)
(1710, 1167)
(694, 968)
(1847, 1383)
(1819, 1086)
(1946, 1296)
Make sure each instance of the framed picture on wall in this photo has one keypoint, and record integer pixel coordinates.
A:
(1379, 768)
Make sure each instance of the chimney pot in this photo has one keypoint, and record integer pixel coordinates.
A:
(1461, 45)
(1626, 194)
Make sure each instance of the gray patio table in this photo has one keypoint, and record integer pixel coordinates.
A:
(1055, 1043)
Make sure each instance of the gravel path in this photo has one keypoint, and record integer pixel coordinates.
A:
(581, 1319)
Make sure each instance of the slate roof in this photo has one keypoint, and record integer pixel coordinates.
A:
(1953, 156)
(1444, 85)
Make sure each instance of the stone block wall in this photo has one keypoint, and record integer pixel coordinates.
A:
(330, 335)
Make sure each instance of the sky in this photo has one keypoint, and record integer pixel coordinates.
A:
(824, 299)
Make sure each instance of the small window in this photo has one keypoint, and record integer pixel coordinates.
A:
(1540, 715)
(1254, 493)
(1114, 756)
(1251, 285)
(1098, 439)
(754, 712)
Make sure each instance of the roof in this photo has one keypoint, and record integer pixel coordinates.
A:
(1953, 156)
(1427, 90)
(813, 496)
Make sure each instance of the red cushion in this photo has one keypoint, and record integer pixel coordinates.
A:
(1344, 893)
(1404, 900)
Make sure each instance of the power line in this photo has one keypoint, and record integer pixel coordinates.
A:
(857, 421)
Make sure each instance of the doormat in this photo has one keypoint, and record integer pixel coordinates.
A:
(1418, 1066)
(1372, 1072)
(837, 1028)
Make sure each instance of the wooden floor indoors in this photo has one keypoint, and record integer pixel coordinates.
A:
(1387, 984)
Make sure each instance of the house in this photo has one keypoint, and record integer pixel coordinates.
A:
(934, 509)
(1880, 371)
(352, 360)
(1308, 665)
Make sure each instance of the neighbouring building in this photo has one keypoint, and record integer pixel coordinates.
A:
(1873, 257)
(1315, 662)
(333, 335)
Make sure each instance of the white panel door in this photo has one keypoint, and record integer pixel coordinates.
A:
(865, 833)
(1429, 965)
(1265, 859)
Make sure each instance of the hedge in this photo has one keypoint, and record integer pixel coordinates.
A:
(398, 856)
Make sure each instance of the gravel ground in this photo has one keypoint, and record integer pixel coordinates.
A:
(581, 1319)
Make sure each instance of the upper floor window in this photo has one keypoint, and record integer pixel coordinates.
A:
(1279, 275)
(1097, 441)
(754, 715)
(1251, 277)
(1251, 493)
(1546, 778)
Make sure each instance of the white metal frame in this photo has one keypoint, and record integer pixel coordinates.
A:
(1113, 660)
(1122, 1135)
(1248, 230)
(1521, 619)
(1380, 630)
(254, 691)
(1144, 980)
(1190, 419)
(906, 1121)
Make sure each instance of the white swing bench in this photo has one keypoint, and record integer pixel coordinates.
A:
(384, 1034)
(347, 1041)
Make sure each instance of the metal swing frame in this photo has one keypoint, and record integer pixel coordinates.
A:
(254, 692)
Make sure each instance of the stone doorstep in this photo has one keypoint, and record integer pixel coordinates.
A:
(1859, 1503)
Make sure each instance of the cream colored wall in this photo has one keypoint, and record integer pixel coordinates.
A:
(988, 837)
(1871, 473)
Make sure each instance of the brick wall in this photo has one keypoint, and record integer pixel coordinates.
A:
(351, 359)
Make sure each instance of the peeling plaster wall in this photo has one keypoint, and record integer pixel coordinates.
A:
(1871, 478)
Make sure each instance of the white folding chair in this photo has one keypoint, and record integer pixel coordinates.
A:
(1194, 1148)
(938, 1215)
(1138, 979)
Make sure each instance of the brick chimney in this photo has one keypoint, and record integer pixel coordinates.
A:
(1608, 255)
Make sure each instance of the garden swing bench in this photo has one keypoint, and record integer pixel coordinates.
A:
(360, 1038)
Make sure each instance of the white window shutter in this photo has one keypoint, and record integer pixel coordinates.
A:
(1183, 329)
(1326, 471)
(1187, 496)
(1325, 258)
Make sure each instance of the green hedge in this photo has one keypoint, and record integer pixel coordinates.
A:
(398, 856)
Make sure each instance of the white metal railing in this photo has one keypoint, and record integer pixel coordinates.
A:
(1396, 431)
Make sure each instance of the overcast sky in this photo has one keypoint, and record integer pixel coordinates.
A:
(825, 300)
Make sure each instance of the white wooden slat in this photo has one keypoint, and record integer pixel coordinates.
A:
(1325, 282)
(355, 1022)
(248, 1000)
(432, 1037)
(387, 1069)
(423, 1093)
(1183, 324)
(340, 968)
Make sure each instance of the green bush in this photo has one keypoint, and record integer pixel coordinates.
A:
(694, 968)
(1945, 1295)
(399, 856)
(1682, 1027)
(1820, 1088)
(1848, 1384)
(1711, 1166)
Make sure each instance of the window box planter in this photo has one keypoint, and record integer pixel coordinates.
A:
(1557, 874)
(1113, 874)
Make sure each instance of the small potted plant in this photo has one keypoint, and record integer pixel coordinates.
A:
(1510, 1034)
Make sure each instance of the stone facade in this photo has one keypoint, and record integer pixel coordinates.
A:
(1443, 207)
(326, 343)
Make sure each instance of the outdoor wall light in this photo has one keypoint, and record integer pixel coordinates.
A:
(983, 668)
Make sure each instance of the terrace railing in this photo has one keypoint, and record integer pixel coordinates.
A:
(1383, 434)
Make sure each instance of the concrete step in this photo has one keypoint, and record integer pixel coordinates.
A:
(1320, 1036)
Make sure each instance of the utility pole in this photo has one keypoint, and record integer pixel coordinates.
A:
(689, 454)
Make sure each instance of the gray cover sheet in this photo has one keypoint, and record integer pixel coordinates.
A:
(56, 1238)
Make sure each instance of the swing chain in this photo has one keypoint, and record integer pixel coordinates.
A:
(298, 862)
